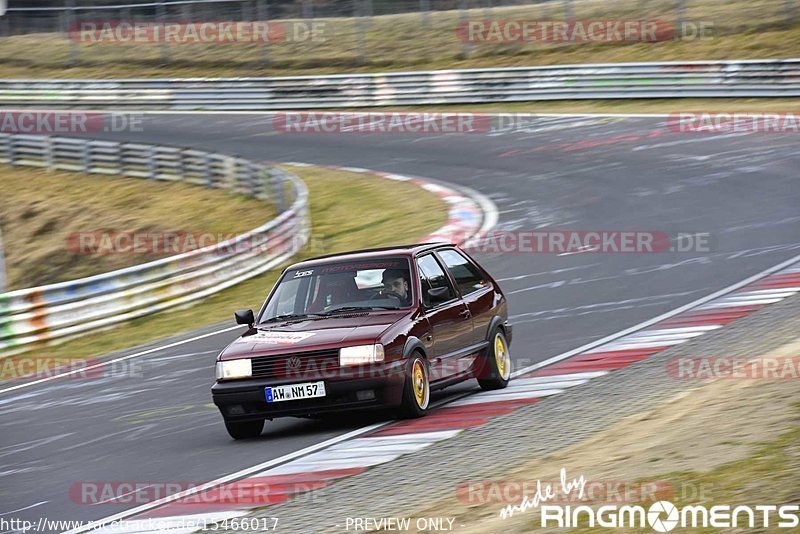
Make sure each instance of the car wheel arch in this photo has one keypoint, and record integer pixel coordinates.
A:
(497, 323)
(413, 344)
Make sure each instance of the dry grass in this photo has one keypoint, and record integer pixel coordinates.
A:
(348, 211)
(40, 210)
(734, 442)
(741, 29)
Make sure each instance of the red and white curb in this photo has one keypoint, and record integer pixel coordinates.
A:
(469, 214)
(385, 442)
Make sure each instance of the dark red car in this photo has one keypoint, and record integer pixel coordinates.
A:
(367, 329)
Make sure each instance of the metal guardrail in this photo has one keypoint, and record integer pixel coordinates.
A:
(80, 306)
(747, 78)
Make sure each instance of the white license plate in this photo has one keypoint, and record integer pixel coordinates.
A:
(307, 390)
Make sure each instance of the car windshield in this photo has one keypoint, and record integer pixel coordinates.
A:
(339, 287)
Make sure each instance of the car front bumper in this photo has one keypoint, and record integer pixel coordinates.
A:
(245, 400)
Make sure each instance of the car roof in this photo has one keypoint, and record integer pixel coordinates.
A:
(369, 253)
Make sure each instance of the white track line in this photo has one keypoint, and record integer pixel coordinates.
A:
(654, 320)
(260, 469)
(227, 478)
(373, 109)
(123, 358)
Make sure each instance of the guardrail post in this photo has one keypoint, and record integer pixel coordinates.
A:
(487, 10)
(425, 14)
(5, 25)
(69, 22)
(262, 14)
(568, 10)
(680, 16)
(229, 172)
(182, 176)
(118, 163)
(249, 177)
(466, 49)
(277, 182)
(160, 20)
(207, 169)
(425, 11)
(308, 9)
(360, 30)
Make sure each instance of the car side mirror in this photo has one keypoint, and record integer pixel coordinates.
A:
(245, 317)
(438, 294)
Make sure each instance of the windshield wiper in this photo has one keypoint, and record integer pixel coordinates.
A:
(290, 317)
(359, 308)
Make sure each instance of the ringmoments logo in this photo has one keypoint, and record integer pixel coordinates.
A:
(661, 516)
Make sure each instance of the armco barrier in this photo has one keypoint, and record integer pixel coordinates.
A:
(745, 78)
(79, 306)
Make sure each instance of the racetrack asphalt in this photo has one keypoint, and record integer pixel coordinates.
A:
(590, 174)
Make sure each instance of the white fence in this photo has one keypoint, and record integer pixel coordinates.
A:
(718, 79)
(80, 306)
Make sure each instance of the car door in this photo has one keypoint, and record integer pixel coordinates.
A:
(475, 289)
(449, 320)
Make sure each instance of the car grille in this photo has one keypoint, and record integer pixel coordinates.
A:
(300, 365)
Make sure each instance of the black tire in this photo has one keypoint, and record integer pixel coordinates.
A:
(493, 375)
(245, 429)
(414, 405)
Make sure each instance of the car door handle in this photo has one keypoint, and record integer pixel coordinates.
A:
(464, 313)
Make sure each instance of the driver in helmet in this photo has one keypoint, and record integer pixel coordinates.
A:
(395, 282)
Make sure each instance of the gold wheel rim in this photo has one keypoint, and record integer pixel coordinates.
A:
(419, 384)
(501, 356)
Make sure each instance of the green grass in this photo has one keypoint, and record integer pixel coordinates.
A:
(348, 211)
(41, 210)
(741, 29)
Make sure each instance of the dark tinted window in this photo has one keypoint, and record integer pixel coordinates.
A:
(432, 276)
(467, 276)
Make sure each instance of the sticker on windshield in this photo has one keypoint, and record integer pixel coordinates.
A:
(347, 267)
(298, 274)
(280, 338)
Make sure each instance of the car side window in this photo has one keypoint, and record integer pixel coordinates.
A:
(467, 276)
(431, 277)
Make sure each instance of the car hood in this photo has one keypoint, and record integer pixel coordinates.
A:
(312, 334)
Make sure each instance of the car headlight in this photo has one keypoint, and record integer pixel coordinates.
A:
(234, 369)
(361, 354)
